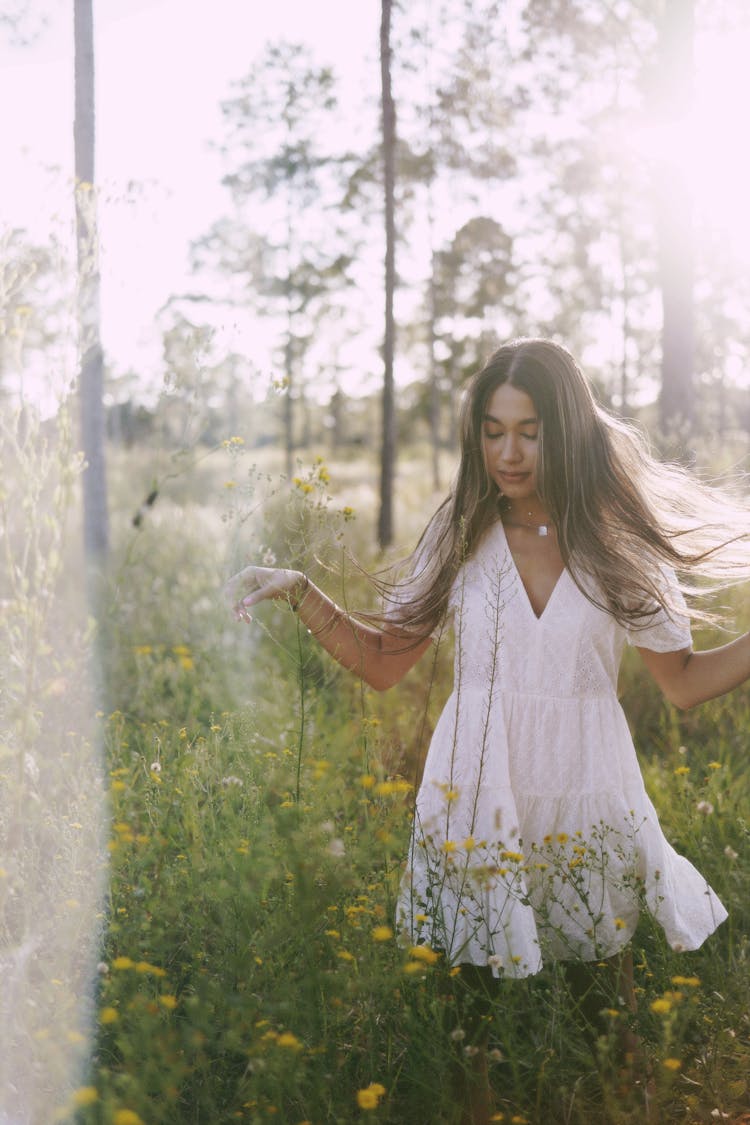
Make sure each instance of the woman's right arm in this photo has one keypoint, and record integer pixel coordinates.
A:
(377, 657)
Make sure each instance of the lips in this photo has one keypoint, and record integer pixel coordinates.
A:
(513, 478)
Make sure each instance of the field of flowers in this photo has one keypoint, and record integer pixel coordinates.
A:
(259, 808)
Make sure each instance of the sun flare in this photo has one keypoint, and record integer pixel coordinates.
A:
(706, 145)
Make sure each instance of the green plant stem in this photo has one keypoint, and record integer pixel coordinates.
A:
(301, 682)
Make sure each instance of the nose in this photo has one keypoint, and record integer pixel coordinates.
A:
(510, 450)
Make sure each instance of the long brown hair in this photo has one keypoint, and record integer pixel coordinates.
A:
(618, 511)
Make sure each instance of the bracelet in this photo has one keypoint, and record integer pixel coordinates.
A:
(294, 602)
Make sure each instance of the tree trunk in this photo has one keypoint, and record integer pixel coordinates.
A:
(388, 449)
(674, 216)
(434, 404)
(288, 402)
(91, 385)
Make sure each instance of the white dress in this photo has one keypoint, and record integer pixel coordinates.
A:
(533, 836)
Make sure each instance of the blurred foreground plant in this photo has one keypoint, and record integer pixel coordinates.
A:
(51, 798)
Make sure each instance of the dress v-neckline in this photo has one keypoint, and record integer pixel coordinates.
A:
(522, 584)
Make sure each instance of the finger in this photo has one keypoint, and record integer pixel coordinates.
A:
(254, 598)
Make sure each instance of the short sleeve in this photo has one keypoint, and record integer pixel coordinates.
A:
(664, 631)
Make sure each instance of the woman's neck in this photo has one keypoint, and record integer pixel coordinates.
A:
(525, 513)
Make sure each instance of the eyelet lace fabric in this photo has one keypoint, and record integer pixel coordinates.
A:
(534, 837)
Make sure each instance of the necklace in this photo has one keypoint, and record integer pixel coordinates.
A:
(539, 528)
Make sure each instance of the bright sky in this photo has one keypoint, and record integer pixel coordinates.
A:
(163, 66)
(162, 69)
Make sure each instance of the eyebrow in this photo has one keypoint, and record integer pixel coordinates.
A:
(523, 422)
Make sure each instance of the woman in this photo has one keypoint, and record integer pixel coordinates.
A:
(534, 837)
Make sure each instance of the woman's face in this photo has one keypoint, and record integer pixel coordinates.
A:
(510, 439)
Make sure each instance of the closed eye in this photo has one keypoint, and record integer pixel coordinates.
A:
(529, 437)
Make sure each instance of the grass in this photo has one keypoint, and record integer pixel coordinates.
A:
(260, 809)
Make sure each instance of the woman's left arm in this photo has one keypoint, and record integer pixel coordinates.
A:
(688, 678)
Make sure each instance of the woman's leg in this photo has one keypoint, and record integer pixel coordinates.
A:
(475, 991)
(596, 986)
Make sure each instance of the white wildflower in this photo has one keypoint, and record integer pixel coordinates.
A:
(30, 768)
(268, 558)
(155, 767)
(231, 780)
(336, 847)
(730, 853)
(458, 1035)
(470, 1051)
(705, 807)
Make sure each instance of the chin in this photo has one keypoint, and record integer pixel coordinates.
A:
(521, 491)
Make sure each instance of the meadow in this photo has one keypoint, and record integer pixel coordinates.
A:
(259, 808)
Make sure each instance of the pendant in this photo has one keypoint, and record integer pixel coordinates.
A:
(542, 529)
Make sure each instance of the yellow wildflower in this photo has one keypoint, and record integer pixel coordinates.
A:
(672, 1064)
(85, 1095)
(109, 1015)
(424, 953)
(150, 970)
(370, 1096)
(127, 1117)
(123, 963)
(662, 1006)
(290, 1040)
(168, 1002)
(681, 771)
(388, 788)
(382, 933)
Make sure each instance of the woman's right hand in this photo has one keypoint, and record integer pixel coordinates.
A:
(257, 583)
